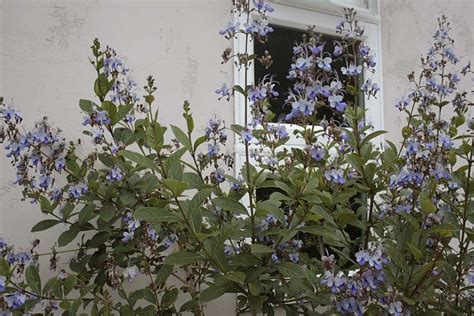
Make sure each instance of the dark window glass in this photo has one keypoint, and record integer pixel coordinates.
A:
(280, 45)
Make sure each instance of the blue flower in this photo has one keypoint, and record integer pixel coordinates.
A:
(127, 236)
(403, 103)
(9, 114)
(261, 5)
(446, 141)
(349, 305)
(228, 250)
(352, 70)
(440, 172)
(318, 153)
(15, 300)
(44, 181)
(3, 280)
(129, 118)
(336, 101)
(470, 277)
(373, 258)
(297, 243)
(259, 27)
(131, 273)
(114, 174)
(257, 94)
(170, 240)
(76, 191)
(100, 117)
(59, 164)
(362, 257)
(133, 225)
(219, 175)
(316, 49)
(223, 91)
(3, 243)
(396, 308)
(337, 50)
(282, 132)
(412, 147)
(302, 107)
(324, 63)
(152, 234)
(213, 149)
(335, 176)
(230, 29)
(294, 257)
(97, 135)
(303, 63)
(403, 208)
(275, 258)
(334, 283)
(364, 50)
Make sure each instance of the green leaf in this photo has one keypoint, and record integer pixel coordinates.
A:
(426, 203)
(69, 283)
(415, 251)
(211, 293)
(4, 267)
(87, 106)
(102, 86)
(163, 274)
(230, 205)
(181, 136)
(199, 198)
(169, 297)
(33, 279)
(87, 213)
(290, 270)
(139, 159)
(188, 306)
(372, 136)
(236, 276)
(198, 142)
(111, 110)
(66, 237)
(181, 258)
(45, 224)
(156, 215)
(154, 136)
(258, 248)
(175, 186)
(122, 111)
(107, 211)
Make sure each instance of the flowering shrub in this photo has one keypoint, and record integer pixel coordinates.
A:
(143, 210)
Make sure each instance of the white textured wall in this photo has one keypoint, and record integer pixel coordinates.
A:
(44, 66)
(407, 30)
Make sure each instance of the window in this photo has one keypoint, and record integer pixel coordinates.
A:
(291, 19)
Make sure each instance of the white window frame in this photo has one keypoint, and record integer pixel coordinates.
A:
(324, 15)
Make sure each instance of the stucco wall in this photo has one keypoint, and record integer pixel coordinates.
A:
(44, 67)
(407, 30)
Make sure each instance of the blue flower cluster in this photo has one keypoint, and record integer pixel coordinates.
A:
(354, 290)
(37, 155)
(124, 88)
(317, 82)
(216, 137)
(428, 142)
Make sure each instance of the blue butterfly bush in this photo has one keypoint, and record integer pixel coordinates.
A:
(140, 209)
